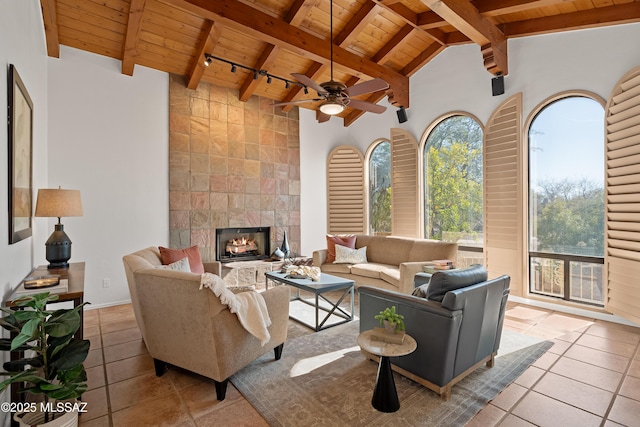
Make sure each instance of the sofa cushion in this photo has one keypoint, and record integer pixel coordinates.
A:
(181, 265)
(169, 256)
(336, 268)
(345, 255)
(344, 240)
(391, 275)
(369, 270)
(444, 281)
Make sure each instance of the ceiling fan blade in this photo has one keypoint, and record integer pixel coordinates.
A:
(366, 106)
(310, 83)
(299, 101)
(367, 87)
(322, 117)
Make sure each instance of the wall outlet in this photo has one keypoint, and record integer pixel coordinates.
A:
(106, 283)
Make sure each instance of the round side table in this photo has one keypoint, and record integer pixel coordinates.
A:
(385, 396)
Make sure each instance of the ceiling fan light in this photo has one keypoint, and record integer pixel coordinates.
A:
(331, 108)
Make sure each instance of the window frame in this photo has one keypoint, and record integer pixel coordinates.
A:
(566, 259)
(367, 158)
(422, 169)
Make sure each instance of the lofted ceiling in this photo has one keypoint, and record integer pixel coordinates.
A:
(390, 39)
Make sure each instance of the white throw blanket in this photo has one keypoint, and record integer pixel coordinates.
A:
(248, 306)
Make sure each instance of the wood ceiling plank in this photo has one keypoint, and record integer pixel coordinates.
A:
(411, 18)
(360, 20)
(211, 34)
(419, 61)
(134, 24)
(235, 14)
(50, 19)
(384, 54)
(600, 17)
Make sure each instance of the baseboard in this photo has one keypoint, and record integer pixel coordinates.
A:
(109, 304)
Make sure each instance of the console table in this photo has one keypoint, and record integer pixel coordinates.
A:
(75, 293)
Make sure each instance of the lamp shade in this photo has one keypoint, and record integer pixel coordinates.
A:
(58, 203)
(331, 107)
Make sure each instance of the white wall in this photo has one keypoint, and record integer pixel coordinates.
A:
(22, 44)
(109, 138)
(539, 66)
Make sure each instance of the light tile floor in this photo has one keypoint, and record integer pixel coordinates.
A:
(591, 376)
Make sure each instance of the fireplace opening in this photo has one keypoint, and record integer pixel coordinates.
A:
(243, 244)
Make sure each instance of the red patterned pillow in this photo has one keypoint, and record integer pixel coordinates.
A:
(169, 256)
(333, 240)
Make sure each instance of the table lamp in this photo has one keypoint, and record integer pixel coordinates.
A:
(58, 203)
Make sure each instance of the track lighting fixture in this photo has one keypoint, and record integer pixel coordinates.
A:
(208, 59)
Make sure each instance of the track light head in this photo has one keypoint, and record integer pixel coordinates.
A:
(286, 84)
(255, 74)
(233, 68)
(207, 59)
(306, 91)
(268, 79)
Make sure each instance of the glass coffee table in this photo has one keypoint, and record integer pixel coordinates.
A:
(321, 302)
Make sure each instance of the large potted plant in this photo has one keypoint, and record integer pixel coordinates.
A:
(52, 359)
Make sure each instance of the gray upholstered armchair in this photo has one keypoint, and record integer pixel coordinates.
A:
(457, 322)
(189, 327)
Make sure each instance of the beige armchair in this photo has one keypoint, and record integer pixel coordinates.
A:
(187, 327)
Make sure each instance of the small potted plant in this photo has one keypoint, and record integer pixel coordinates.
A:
(391, 320)
(53, 363)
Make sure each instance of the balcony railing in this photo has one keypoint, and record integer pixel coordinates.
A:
(570, 277)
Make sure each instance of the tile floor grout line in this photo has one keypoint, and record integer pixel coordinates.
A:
(621, 382)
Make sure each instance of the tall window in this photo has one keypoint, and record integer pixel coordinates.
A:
(380, 189)
(453, 186)
(566, 200)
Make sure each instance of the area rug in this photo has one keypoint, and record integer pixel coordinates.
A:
(322, 379)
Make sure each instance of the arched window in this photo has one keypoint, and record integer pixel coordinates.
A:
(453, 185)
(380, 188)
(566, 199)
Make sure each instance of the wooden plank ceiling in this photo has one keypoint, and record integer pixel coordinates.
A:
(390, 39)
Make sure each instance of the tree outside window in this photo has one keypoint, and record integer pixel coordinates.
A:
(566, 200)
(380, 189)
(453, 182)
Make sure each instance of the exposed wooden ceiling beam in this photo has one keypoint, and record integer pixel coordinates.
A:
(136, 10)
(360, 20)
(267, 58)
(211, 34)
(430, 19)
(411, 18)
(592, 18)
(421, 60)
(251, 21)
(298, 11)
(383, 54)
(466, 18)
(50, 18)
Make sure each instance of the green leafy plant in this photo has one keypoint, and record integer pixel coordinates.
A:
(54, 365)
(391, 316)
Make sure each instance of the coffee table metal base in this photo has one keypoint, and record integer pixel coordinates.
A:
(331, 308)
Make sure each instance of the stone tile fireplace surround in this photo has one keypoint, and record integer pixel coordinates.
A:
(231, 164)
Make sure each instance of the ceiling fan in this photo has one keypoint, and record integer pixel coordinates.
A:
(336, 96)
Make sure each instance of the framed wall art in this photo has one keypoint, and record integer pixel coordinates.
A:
(20, 158)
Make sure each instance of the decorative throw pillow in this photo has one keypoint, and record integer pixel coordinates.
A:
(182, 265)
(333, 240)
(168, 256)
(346, 255)
(421, 291)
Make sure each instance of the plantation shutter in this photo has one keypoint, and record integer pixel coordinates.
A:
(345, 191)
(404, 184)
(503, 223)
(622, 205)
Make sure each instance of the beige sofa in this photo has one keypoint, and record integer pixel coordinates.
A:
(391, 261)
(189, 327)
